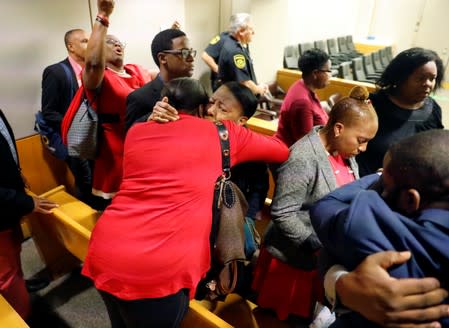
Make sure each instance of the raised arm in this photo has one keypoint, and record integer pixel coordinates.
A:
(95, 58)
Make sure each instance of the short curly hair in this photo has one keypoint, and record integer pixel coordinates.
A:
(311, 60)
(164, 41)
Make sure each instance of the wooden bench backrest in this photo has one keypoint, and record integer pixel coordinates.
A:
(42, 170)
(9, 318)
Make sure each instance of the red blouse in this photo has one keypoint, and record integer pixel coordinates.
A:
(342, 171)
(153, 239)
(111, 103)
(301, 110)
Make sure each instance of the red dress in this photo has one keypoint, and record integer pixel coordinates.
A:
(301, 110)
(153, 240)
(286, 289)
(110, 104)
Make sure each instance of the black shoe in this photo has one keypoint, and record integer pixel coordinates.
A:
(35, 284)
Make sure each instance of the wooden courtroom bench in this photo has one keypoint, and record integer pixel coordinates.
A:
(9, 318)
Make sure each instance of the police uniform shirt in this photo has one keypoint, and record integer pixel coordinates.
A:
(235, 63)
(215, 45)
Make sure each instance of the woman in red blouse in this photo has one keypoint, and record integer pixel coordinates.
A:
(301, 109)
(150, 247)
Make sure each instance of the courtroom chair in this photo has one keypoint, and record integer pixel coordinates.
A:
(344, 71)
(369, 68)
(303, 47)
(383, 57)
(351, 47)
(359, 72)
(343, 46)
(378, 67)
(291, 56)
(389, 53)
(335, 52)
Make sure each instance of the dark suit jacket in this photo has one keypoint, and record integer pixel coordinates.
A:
(14, 202)
(140, 102)
(57, 92)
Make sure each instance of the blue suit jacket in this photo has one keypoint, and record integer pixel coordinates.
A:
(353, 222)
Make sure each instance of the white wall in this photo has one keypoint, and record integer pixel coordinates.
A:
(32, 38)
(282, 22)
(32, 34)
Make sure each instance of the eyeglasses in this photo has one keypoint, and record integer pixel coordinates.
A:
(113, 42)
(325, 70)
(184, 52)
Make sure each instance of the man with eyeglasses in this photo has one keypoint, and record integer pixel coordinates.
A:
(173, 55)
(235, 63)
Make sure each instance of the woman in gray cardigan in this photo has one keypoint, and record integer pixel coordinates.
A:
(286, 276)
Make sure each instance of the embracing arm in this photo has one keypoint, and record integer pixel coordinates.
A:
(390, 302)
(247, 145)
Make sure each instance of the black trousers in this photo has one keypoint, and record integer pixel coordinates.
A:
(82, 172)
(165, 312)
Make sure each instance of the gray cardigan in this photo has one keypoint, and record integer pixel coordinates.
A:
(304, 178)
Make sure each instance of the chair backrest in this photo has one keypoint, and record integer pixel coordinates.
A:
(368, 64)
(332, 46)
(376, 61)
(321, 44)
(357, 69)
(342, 44)
(291, 56)
(349, 43)
(303, 47)
(344, 71)
(389, 52)
(383, 57)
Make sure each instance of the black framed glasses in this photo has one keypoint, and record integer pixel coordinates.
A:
(184, 52)
(113, 42)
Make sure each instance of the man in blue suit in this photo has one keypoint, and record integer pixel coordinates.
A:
(405, 209)
(60, 82)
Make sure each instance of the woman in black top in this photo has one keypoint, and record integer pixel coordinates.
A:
(402, 103)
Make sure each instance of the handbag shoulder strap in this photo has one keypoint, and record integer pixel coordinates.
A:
(225, 149)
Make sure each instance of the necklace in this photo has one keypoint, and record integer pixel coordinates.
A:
(122, 73)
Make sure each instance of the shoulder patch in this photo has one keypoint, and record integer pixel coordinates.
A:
(239, 61)
(215, 40)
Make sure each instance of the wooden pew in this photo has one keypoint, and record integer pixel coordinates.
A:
(286, 77)
(41, 170)
(9, 318)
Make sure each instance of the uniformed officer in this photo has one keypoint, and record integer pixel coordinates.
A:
(235, 63)
(211, 56)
